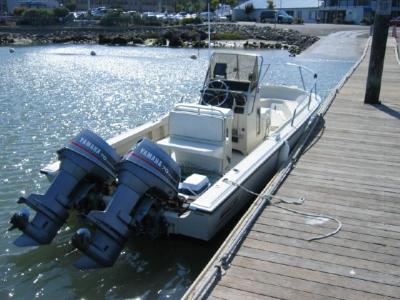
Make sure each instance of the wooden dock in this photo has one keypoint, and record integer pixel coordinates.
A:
(350, 170)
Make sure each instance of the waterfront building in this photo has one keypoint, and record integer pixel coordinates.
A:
(352, 11)
(11, 4)
(304, 9)
(3, 7)
(325, 11)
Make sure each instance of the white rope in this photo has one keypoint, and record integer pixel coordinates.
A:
(288, 200)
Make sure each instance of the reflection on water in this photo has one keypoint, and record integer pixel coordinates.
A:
(47, 95)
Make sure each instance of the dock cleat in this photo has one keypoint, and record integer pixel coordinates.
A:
(85, 156)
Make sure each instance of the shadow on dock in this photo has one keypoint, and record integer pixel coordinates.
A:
(386, 109)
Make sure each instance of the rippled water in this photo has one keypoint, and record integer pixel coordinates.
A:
(47, 95)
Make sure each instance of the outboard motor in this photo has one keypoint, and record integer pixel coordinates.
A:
(86, 154)
(146, 167)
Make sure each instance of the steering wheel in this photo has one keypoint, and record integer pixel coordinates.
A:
(216, 93)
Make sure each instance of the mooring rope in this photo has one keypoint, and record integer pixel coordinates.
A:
(288, 200)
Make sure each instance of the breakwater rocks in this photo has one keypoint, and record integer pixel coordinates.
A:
(6, 39)
(250, 36)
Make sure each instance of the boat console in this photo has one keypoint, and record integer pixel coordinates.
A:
(232, 82)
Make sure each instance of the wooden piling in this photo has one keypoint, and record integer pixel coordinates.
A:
(378, 49)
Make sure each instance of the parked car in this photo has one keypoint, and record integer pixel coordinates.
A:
(99, 12)
(395, 21)
(275, 16)
(204, 16)
(148, 14)
(267, 16)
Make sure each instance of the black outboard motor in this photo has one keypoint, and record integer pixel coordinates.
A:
(145, 167)
(86, 154)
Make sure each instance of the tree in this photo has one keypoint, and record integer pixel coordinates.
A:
(270, 4)
(198, 5)
(19, 11)
(248, 9)
(231, 2)
(71, 5)
(37, 17)
(60, 12)
(117, 4)
(214, 4)
(180, 5)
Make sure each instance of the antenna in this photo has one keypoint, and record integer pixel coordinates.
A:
(209, 28)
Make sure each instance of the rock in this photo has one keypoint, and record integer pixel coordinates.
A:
(199, 44)
(175, 42)
(119, 40)
(103, 40)
(137, 40)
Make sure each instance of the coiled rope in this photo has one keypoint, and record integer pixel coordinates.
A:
(288, 200)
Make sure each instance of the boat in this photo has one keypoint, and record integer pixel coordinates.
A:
(175, 175)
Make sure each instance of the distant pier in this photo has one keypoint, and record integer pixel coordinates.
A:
(349, 169)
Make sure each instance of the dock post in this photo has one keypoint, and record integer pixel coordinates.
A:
(378, 48)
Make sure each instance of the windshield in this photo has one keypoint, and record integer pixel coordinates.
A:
(234, 67)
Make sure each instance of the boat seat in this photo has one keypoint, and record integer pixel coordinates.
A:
(200, 137)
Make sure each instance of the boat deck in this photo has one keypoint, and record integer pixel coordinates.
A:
(350, 170)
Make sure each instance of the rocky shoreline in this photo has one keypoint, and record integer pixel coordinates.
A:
(195, 36)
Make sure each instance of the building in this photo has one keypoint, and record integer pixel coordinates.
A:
(11, 4)
(127, 5)
(352, 11)
(304, 9)
(328, 11)
(3, 7)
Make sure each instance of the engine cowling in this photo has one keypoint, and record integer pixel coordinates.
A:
(86, 154)
(145, 167)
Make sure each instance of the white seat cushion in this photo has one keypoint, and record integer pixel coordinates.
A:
(191, 146)
(197, 127)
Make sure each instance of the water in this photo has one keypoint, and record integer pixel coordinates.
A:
(47, 95)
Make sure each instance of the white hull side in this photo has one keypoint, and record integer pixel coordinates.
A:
(203, 225)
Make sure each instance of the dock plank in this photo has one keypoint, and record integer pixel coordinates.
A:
(318, 276)
(267, 289)
(300, 284)
(332, 249)
(305, 235)
(223, 292)
(327, 267)
(318, 256)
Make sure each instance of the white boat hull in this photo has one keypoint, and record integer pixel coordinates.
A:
(205, 225)
(253, 172)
